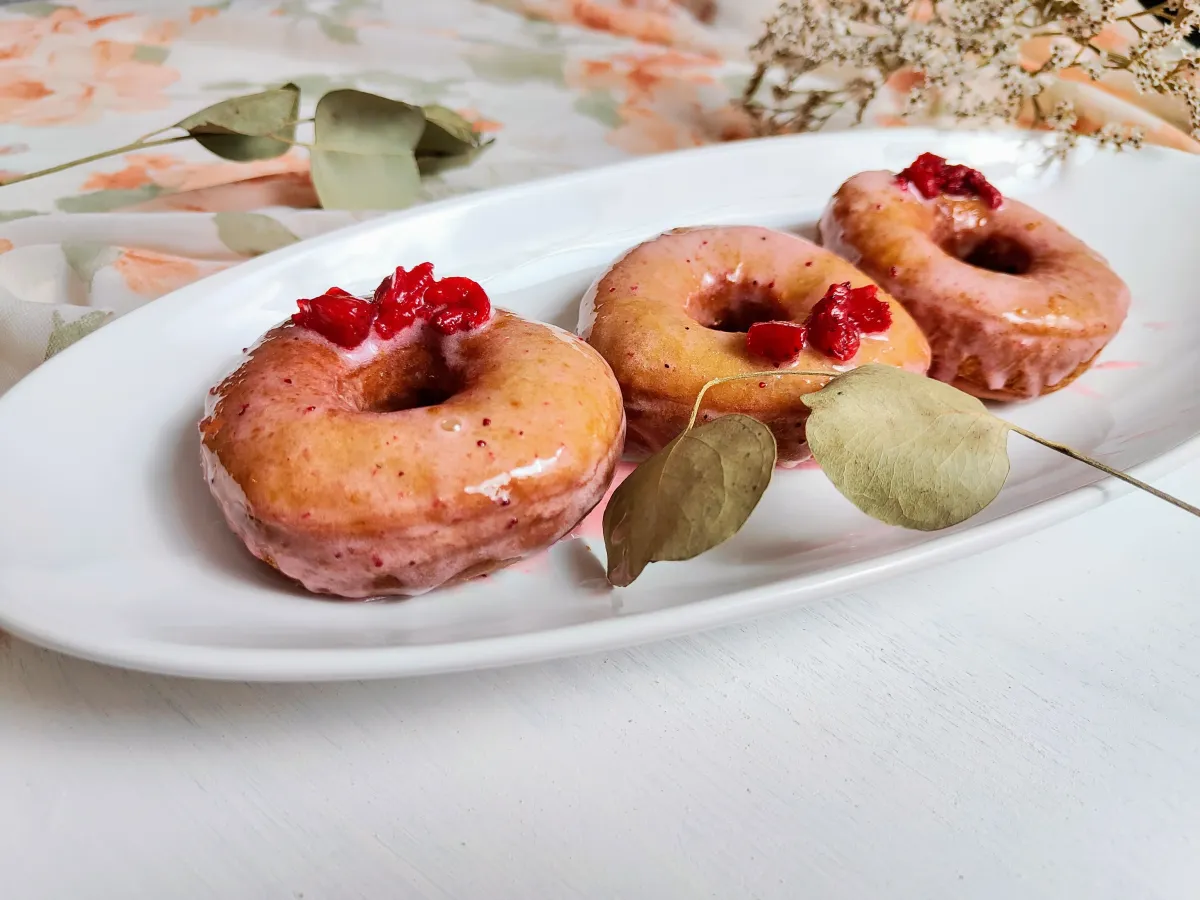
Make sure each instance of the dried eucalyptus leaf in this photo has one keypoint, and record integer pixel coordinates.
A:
(236, 128)
(689, 497)
(446, 132)
(906, 449)
(435, 165)
(346, 180)
(449, 141)
(362, 156)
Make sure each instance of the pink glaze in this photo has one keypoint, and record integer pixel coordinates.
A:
(672, 313)
(593, 525)
(998, 334)
(327, 466)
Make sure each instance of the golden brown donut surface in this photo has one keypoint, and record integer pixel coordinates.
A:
(673, 312)
(399, 466)
(1014, 306)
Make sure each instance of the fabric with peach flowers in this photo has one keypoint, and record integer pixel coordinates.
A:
(561, 84)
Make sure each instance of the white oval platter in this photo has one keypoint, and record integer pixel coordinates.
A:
(112, 549)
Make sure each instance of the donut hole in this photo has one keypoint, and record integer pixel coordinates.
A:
(412, 378)
(734, 306)
(998, 253)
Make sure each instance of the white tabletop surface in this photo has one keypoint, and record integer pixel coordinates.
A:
(1022, 724)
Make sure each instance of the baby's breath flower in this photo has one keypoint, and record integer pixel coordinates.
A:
(968, 52)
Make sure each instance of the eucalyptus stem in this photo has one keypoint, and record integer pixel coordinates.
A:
(128, 148)
(1106, 469)
(289, 124)
(1036, 438)
(743, 377)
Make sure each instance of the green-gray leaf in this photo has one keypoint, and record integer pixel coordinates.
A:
(448, 142)
(237, 128)
(252, 234)
(446, 132)
(906, 449)
(65, 333)
(689, 497)
(363, 151)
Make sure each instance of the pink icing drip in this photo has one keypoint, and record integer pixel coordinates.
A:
(424, 554)
(1033, 329)
(593, 525)
(1117, 364)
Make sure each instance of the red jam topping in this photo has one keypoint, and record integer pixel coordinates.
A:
(400, 298)
(834, 327)
(779, 342)
(833, 333)
(451, 305)
(933, 176)
(341, 317)
(457, 304)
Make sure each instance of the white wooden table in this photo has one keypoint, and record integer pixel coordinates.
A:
(1024, 724)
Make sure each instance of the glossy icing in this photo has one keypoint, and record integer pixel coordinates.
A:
(321, 475)
(1001, 335)
(644, 316)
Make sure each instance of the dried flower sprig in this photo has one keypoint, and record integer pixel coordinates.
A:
(966, 60)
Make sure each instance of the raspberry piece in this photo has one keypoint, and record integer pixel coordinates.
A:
(833, 333)
(401, 299)
(869, 314)
(831, 325)
(779, 342)
(932, 176)
(457, 304)
(338, 316)
(924, 174)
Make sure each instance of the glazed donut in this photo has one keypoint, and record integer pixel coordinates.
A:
(674, 312)
(399, 464)
(1013, 305)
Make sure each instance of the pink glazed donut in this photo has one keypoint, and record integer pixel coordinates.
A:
(414, 460)
(1013, 305)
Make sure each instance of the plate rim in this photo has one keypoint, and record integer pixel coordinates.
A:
(360, 663)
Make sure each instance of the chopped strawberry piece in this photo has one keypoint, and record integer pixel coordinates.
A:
(932, 176)
(778, 342)
(842, 315)
(834, 334)
(457, 304)
(869, 314)
(401, 299)
(338, 316)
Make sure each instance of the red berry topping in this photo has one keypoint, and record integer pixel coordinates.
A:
(338, 316)
(451, 305)
(457, 304)
(837, 320)
(932, 176)
(833, 333)
(779, 342)
(869, 314)
(401, 299)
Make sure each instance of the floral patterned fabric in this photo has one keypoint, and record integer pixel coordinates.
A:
(561, 84)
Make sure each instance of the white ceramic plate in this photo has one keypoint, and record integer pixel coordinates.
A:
(112, 549)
